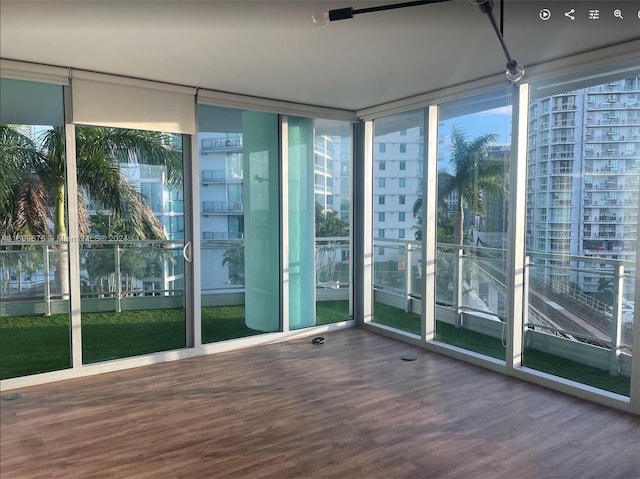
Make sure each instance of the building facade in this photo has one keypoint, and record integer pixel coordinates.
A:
(583, 171)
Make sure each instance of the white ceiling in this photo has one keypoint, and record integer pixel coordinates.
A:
(271, 49)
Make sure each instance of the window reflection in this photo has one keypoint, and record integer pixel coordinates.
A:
(474, 146)
(397, 224)
(34, 259)
(582, 210)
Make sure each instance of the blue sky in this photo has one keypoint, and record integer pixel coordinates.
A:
(496, 121)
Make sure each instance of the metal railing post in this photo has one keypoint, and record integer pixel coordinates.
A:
(526, 284)
(458, 282)
(408, 280)
(616, 320)
(118, 279)
(47, 285)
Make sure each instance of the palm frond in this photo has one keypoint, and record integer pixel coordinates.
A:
(125, 145)
(416, 209)
(135, 217)
(30, 173)
(31, 210)
(84, 223)
(52, 171)
(19, 156)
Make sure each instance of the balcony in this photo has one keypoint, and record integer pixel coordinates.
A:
(470, 282)
(222, 208)
(613, 122)
(564, 186)
(220, 235)
(563, 107)
(220, 176)
(607, 219)
(614, 87)
(564, 124)
(563, 139)
(562, 171)
(562, 156)
(605, 154)
(132, 298)
(614, 105)
(228, 143)
(397, 284)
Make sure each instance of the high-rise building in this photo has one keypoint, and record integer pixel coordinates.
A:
(398, 172)
(222, 200)
(583, 172)
(221, 181)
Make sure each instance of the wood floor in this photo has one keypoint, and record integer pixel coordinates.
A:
(350, 408)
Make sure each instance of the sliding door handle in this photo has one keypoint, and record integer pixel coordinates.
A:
(188, 247)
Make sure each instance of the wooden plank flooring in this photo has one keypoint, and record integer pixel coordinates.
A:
(350, 408)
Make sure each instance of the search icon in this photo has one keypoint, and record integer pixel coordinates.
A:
(618, 13)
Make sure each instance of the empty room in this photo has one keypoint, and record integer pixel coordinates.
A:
(295, 239)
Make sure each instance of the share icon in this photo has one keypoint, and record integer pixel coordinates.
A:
(570, 14)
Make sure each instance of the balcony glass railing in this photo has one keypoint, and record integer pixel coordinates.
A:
(126, 271)
(132, 298)
(221, 176)
(227, 142)
(396, 267)
(578, 308)
(221, 207)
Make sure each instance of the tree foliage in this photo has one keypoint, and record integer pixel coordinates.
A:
(472, 175)
(329, 224)
(33, 186)
(33, 183)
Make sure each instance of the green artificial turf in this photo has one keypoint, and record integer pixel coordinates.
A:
(131, 333)
(565, 368)
(446, 333)
(489, 346)
(36, 344)
(220, 323)
(470, 340)
(328, 312)
(396, 318)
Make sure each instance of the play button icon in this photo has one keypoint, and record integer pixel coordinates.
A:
(545, 14)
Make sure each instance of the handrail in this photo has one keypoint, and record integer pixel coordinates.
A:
(534, 326)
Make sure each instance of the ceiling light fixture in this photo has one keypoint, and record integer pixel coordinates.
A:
(514, 73)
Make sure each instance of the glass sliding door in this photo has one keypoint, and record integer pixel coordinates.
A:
(34, 260)
(239, 217)
(301, 213)
(474, 142)
(582, 214)
(319, 204)
(398, 166)
(132, 240)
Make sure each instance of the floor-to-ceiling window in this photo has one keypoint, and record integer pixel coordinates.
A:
(107, 256)
(133, 244)
(474, 145)
(583, 168)
(34, 260)
(581, 228)
(398, 159)
(319, 219)
(130, 186)
(239, 211)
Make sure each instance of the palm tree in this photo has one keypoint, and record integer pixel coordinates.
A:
(234, 257)
(33, 187)
(328, 225)
(473, 175)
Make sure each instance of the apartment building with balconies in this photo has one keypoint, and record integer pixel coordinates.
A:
(583, 171)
